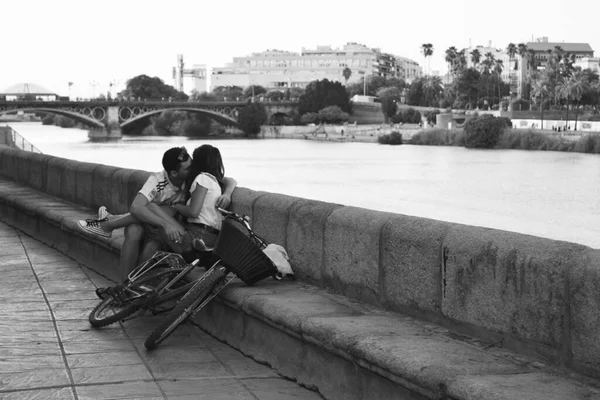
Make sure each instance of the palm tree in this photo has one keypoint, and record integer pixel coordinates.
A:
(432, 88)
(475, 57)
(577, 86)
(539, 90)
(460, 60)
(427, 50)
(498, 67)
(347, 73)
(450, 58)
(511, 50)
(522, 52)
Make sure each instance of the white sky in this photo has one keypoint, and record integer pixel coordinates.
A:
(54, 42)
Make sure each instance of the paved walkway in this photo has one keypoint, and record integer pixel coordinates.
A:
(48, 350)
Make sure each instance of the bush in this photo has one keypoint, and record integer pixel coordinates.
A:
(333, 115)
(483, 132)
(407, 116)
(394, 138)
(439, 137)
(431, 116)
(310, 118)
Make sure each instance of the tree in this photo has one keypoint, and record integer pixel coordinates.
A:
(204, 96)
(251, 117)
(511, 50)
(347, 73)
(450, 57)
(574, 87)
(228, 93)
(466, 86)
(389, 98)
(253, 90)
(147, 88)
(498, 67)
(539, 90)
(333, 115)
(427, 50)
(475, 57)
(323, 93)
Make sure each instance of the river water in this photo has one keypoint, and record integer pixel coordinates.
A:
(549, 194)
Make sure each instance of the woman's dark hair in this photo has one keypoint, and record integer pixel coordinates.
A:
(207, 158)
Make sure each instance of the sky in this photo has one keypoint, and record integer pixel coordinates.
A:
(93, 43)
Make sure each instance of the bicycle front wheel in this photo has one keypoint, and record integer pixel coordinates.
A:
(186, 306)
(109, 310)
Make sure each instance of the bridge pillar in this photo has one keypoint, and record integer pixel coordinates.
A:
(112, 129)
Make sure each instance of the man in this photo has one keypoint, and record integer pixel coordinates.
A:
(142, 225)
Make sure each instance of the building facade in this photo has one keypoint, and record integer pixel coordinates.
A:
(277, 69)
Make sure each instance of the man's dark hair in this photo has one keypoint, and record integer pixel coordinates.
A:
(173, 158)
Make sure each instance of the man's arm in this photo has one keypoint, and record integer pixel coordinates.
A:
(140, 210)
(229, 185)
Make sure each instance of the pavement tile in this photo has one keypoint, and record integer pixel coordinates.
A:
(279, 389)
(91, 334)
(249, 368)
(25, 270)
(72, 295)
(187, 354)
(45, 394)
(71, 313)
(87, 360)
(204, 388)
(23, 363)
(74, 304)
(27, 349)
(61, 275)
(24, 315)
(190, 370)
(14, 306)
(97, 346)
(8, 338)
(34, 378)
(68, 285)
(126, 390)
(50, 256)
(110, 374)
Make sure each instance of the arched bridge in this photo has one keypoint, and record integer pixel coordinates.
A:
(109, 117)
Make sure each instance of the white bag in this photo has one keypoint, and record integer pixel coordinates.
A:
(280, 258)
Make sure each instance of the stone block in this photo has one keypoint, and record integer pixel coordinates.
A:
(411, 263)
(8, 166)
(84, 185)
(242, 201)
(104, 187)
(60, 182)
(305, 237)
(508, 283)
(352, 250)
(120, 198)
(270, 216)
(134, 183)
(24, 163)
(584, 294)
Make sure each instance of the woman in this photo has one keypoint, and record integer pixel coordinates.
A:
(203, 219)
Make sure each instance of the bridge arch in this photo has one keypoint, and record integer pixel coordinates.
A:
(73, 115)
(219, 117)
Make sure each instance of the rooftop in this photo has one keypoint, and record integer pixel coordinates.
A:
(568, 47)
(26, 88)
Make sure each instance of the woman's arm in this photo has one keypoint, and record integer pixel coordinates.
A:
(229, 185)
(196, 202)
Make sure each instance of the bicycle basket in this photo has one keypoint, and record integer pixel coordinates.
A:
(241, 253)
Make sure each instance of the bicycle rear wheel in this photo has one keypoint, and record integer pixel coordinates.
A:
(109, 310)
(186, 306)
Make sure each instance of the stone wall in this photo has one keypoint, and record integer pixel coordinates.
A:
(527, 293)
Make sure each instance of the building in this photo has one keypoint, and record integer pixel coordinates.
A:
(543, 48)
(275, 69)
(189, 79)
(592, 63)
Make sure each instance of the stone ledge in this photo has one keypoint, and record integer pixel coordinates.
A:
(344, 348)
(377, 353)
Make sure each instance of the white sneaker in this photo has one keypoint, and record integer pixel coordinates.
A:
(93, 226)
(103, 213)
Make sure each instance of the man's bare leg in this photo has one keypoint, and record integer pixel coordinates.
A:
(150, 247)
(130, 250)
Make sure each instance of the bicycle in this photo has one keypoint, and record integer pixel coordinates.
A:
(149, 287)
(239, 253)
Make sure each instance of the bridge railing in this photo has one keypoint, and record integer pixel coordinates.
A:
(12, 138)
